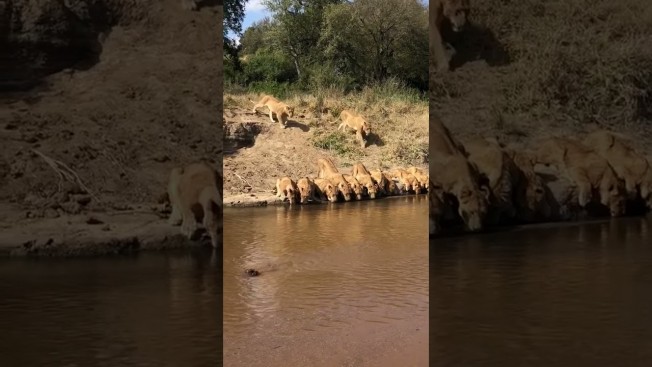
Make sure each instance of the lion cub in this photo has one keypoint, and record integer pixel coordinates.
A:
(286, 188)
(358, 123)
(195, 195)
(276, 107)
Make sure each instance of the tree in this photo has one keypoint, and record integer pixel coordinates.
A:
(234, 12)
(373, 40)
(297, 29)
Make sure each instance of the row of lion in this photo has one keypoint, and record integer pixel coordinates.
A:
(283, 112)
(332, 185)
(481, 182)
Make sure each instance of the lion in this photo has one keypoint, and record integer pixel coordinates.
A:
(276, 107)
(407, 180)
(488, 157)
(286, 189)
(325, 190)
(360, 172)
(358, 123)
(382, 181)
(326, 168)
(529, 188)
(195, 195)
(630, 165)
(355, 186)
(421, 177)
(343, 187)
(306, 190)
(587, 169)
(454, 12)
(454, 176)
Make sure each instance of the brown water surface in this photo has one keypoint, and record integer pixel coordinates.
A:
(341, 284)
(153, 309)
(553, 295)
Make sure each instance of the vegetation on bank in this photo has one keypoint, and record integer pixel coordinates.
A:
(325, 45)
(581, 61)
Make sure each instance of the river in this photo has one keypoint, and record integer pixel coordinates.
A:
(153, 309)
(341, 284)
(550, 295)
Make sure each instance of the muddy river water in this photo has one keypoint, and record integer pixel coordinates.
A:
(340, 285)
(147, 310)
(552, 295)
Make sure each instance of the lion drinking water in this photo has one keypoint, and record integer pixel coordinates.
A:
(195, 196)
(287, 189)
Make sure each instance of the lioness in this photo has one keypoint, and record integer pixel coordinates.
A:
(326, 168)
(276, 107)
(530, 197)
(407, 180)
(356, 122)
(360, 172)
(490, 159)
(456, 13)
(325, 190)
(343, 187)
(587, 170)
(391, 186)
(286, 189)
(195, 195)
(306, 190)
(421, 177)
(453, 175)
(630, 165)
(355, 186)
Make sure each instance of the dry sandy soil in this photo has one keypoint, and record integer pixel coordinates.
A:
(257, 151)
(100, 141)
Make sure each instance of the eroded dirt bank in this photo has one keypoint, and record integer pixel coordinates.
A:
(259, 151)
(99, 137)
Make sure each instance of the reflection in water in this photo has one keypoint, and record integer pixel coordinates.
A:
(149, 310)
(576, 295)
(336, 281)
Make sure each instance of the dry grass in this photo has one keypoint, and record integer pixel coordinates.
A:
(400, 122)
(581, 60)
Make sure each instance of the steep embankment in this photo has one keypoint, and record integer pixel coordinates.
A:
(97, 133)
(257, 151)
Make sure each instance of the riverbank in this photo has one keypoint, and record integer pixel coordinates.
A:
(90, 234)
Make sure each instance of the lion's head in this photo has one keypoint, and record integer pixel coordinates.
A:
(357, 188)
(473, 204)
(305, 190)
(366, 127)
(613, 194)
(331, 192)
(456, 11)
(289, 110)
(345, 189)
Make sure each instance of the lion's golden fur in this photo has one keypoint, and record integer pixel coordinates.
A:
(355, 122)
(195, 194)
(282, 110)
